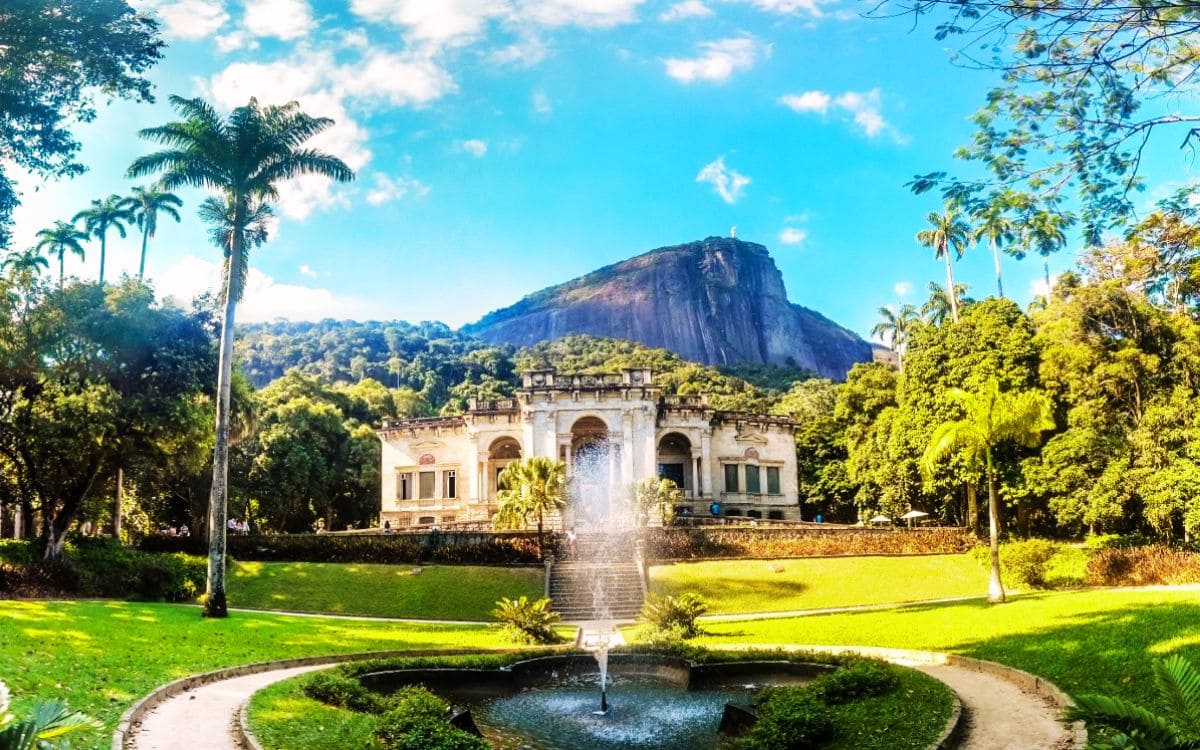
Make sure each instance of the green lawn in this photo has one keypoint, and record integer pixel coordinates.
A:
(104, 656)
(438, 592)
(1096, 641)
(779, 585)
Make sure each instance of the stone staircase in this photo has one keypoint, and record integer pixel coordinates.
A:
(576, 578)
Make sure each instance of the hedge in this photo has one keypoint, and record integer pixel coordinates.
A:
(768, 543)
(448, 548)
(104, 568)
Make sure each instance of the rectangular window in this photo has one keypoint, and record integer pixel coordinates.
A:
(450, 483)
(427, 482)
(772, 480)
(674, 472)
(752, 483)
(731, 477)
(404, 486)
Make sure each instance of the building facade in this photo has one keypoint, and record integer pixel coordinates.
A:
(443, 471)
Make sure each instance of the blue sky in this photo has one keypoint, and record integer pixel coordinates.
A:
(506, 145)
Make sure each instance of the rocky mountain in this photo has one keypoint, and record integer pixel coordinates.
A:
(720, 301)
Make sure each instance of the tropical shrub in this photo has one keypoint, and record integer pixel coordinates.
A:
(674, 614)
(104, 568)
(335, 689)
(1121, 725)
(44, 730)
(420, 720)
(864, 678)
(789, 718)
(527, 620)
(1143, 566)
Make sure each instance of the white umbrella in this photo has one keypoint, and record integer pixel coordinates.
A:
(881, 519)
(914, 514)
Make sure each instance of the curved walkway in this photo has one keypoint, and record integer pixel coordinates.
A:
(999, 714)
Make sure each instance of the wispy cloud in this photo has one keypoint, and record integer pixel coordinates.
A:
(728, 182)
(789, 7)
(281, 19)
(387, 189)
(189, 19)
(473, 146)
(306, 270)
(860, 107)
(541, 103)
(685, 9)
(717, 60)
(792, 236)
(903, 289)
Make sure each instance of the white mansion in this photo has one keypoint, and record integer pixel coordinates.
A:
(443, 471)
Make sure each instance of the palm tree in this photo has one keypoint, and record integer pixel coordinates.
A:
(992, 418)
(111, 213)
(147, 202)
(997, 229)
(60, 239)
(1177, 683)
(528, 488)
(1044, 234)
(243, 157)
(949, 232)
(27, 263)
(895, 328)
(938, 307)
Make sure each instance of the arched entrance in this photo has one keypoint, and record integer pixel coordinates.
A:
(502, 452)
(591, 470)
(675, 461)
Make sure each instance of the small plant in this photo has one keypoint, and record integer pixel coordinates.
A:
(526, 620)
(338, 690)
(421, 721)
(789, 718)
(45, 730)
(1125, 726)
(864, 678)
(674, 615)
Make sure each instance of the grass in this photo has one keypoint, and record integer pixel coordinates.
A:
(911, 717)
(283, 717)
(439, 592)
(734, 586)
(1091, 641)
(103, 656)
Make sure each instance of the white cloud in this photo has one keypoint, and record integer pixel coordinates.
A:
(401, 78)
(541, 103)
(863, 108)
(809, 101)
(188, 19)
(685, 9)
(727, 182)
(524, 53)
(903, 288)
(437, 24)
(718, 60)
(472, 146)
(306, 270)
(265, 298)
(387, 189)
(1039, 288)
(236, 40)
(792, 236)
(281, 19)
(789, 7)
(588, 14)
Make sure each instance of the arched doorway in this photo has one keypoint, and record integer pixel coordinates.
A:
(591, 470)
(675, 461)
(502, 452)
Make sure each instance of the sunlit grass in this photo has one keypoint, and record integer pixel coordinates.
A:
(441, 592)
(732, 586)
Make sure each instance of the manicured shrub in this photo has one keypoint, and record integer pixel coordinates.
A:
(16, 552)
(419, 720)
(527, 620)
(1025, 562)
(105, 568)
(674, 615)
(334, 689)
(789, 718)
(860, 679)
(675, 543)
(1143, 566)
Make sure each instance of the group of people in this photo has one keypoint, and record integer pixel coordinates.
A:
(238, 527)
(183, 530)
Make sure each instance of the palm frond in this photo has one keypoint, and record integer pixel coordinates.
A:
(1178, 686)
(1101, 711)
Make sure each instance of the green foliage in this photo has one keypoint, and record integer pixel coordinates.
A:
(677, 543)
(103, 568)
(44, 730)
(420, 721)
(654, 499)
(863, 678)
(1125, 725)
(674, 614)
(528, 620)
(530, 488)
(789, 719)
(335, 689)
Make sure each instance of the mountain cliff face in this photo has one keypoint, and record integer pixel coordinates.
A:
(719, 302)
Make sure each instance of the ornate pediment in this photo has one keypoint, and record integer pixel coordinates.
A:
(750, 437)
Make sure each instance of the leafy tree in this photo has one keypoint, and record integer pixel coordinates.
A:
(59, 240)
(655, 497)
(949, 231)
(111, 213)
(146, 204)
(938, 307)
(821, 454)
(58, 54)
(991, 418)
(530, 488)
(243, 157)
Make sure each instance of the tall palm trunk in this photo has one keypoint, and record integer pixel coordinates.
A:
(103, 243)
(950, 286)
(61, 270)
(996, 257)
(995, 585)
(218, 502)
(1046, 271)
(146, 236)
(973, 507)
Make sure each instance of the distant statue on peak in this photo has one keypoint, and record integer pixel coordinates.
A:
(733, 232)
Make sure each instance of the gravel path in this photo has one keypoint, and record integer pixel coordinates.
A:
(204, 718)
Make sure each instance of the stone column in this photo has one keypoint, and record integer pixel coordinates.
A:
(628, 470)
(697, 474)
(706, 465)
